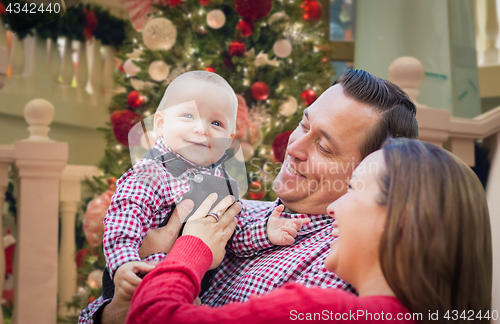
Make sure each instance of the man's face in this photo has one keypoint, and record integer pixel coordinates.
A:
(323, 151)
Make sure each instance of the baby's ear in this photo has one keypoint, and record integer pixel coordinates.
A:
(158, 123)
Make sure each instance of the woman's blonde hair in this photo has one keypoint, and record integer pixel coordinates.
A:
(435, 251)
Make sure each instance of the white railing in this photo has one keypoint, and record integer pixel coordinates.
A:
(73, 74)
(439, 127)
(45, 188)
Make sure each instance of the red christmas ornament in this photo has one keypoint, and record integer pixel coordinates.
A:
(237, 49)
(311, 10)
(260, 90)
(122, 126)
(2, 9)
(90, 300)
(253, 9)
(210, 69)
(256, 190)
(135, 99)
(114, 116)
(204, 2)
(309, 96)
(245, 27)
(279, 146)
(120, 68)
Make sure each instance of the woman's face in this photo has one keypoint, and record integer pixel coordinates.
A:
(360, 222)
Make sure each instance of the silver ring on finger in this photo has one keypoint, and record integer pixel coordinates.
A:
(215, 215)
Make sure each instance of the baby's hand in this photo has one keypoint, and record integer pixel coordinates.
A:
(282, 231)
(126, 278)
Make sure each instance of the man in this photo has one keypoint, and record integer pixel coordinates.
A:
(346, 123)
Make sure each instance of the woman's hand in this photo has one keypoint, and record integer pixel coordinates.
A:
(214, 233)
(162, 239)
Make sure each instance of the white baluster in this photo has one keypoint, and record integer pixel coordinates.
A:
(70, 197)
(492, 33)
(4, 56)
(109, 69)
(96, 73)
(408, 73)
(54, 60)
(29, 43)
(82, 72)
(67, 70)
(40, 165)
(6, 159)
(16, 56)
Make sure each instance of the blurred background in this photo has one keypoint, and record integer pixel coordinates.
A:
(72, 88)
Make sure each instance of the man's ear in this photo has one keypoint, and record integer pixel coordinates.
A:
(158, 123)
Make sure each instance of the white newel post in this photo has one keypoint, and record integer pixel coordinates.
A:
(39, 163)
(70, 197)
(433, 124)
(6, 159)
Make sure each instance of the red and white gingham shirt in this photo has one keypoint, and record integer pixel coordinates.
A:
(144, 196)
(245, 272)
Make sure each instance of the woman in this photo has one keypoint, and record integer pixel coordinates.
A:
(413, 237)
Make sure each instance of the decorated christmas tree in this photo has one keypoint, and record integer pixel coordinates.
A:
(271, 52)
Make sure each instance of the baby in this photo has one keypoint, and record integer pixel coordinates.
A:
(196, 122)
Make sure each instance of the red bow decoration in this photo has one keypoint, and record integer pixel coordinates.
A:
(138, 10)
(91, 21)
(2, 8)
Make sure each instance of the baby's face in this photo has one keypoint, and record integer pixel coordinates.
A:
(199, 122)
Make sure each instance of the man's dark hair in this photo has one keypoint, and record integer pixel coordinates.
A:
(398, 112)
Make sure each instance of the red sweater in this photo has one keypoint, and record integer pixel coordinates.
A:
(166, 295)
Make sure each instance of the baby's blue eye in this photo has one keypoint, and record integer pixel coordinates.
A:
(216, 123)
(188, 116)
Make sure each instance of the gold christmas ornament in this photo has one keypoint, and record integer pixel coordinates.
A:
(282, 48)
(159, 34)
(136, 53)
(289, 107)
(139, 85)
(263, 59)
(159, 70)
(216, 19)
